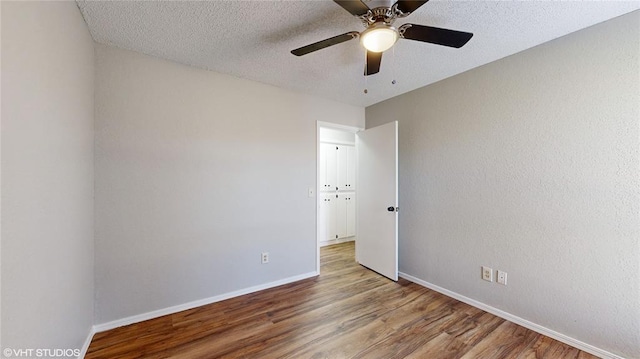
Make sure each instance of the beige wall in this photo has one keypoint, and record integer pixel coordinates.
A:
(531, 165)
(197, 173)
(47, 176)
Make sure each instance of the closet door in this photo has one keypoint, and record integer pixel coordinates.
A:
(341, 214)
(332, 159)
(351, 214)
(328, 158)
(322, 176)
(328, 206)
(351, 167)
(346, 214)
(342, 168)
(322, 217)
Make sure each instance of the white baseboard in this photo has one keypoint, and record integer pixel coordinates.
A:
(198, 303)
(515, 319)
(336, 241)
(87, 342)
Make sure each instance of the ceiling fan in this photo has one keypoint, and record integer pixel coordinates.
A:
(380, 34)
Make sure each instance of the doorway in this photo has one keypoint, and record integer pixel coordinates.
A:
(336, 185)
(346, 156)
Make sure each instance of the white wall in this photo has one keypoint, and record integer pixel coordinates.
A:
(531, 165)
(197, 173)
(47, 176)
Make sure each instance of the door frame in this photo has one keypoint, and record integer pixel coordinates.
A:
(334, 126)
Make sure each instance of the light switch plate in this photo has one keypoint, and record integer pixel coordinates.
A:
(502, 277)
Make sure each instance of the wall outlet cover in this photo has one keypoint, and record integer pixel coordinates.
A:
(487, 274)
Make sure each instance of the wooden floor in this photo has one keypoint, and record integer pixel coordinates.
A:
(346, 312)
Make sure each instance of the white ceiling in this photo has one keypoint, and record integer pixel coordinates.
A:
(253, 39)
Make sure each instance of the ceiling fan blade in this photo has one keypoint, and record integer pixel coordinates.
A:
(373, 63)
(355, 7)
(408, 6)
(325, 43)
(435, 35)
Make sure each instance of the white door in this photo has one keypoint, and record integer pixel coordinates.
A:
(328, 165)
(341, 214)
(341, 161)
(346, 167)
(327, 230)
(332, 167)
(323, 167)
(377, 183)
(351, 168)
(351, 214)
(346, 214)
(323, 217)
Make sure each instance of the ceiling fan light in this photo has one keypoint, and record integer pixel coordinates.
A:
(379, 37)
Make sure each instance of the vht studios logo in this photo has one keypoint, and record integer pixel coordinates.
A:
(40, 353)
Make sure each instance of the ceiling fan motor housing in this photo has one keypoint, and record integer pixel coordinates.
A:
(379, 37)
(382, 14)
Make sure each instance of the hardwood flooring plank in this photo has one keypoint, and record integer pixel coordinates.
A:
(473, 329)
(508, 340)
(445, 345)
(538, 349)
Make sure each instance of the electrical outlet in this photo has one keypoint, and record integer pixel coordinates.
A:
(487, 274)
(502, 277)
(265, 257)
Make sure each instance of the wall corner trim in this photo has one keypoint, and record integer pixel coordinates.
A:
(197, 303)
(514, 319)
(87, 342)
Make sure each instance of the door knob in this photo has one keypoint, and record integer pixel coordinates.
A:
(391, 209)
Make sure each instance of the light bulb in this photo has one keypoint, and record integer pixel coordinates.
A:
(379, 37)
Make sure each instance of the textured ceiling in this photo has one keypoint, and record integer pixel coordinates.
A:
(253, 39)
